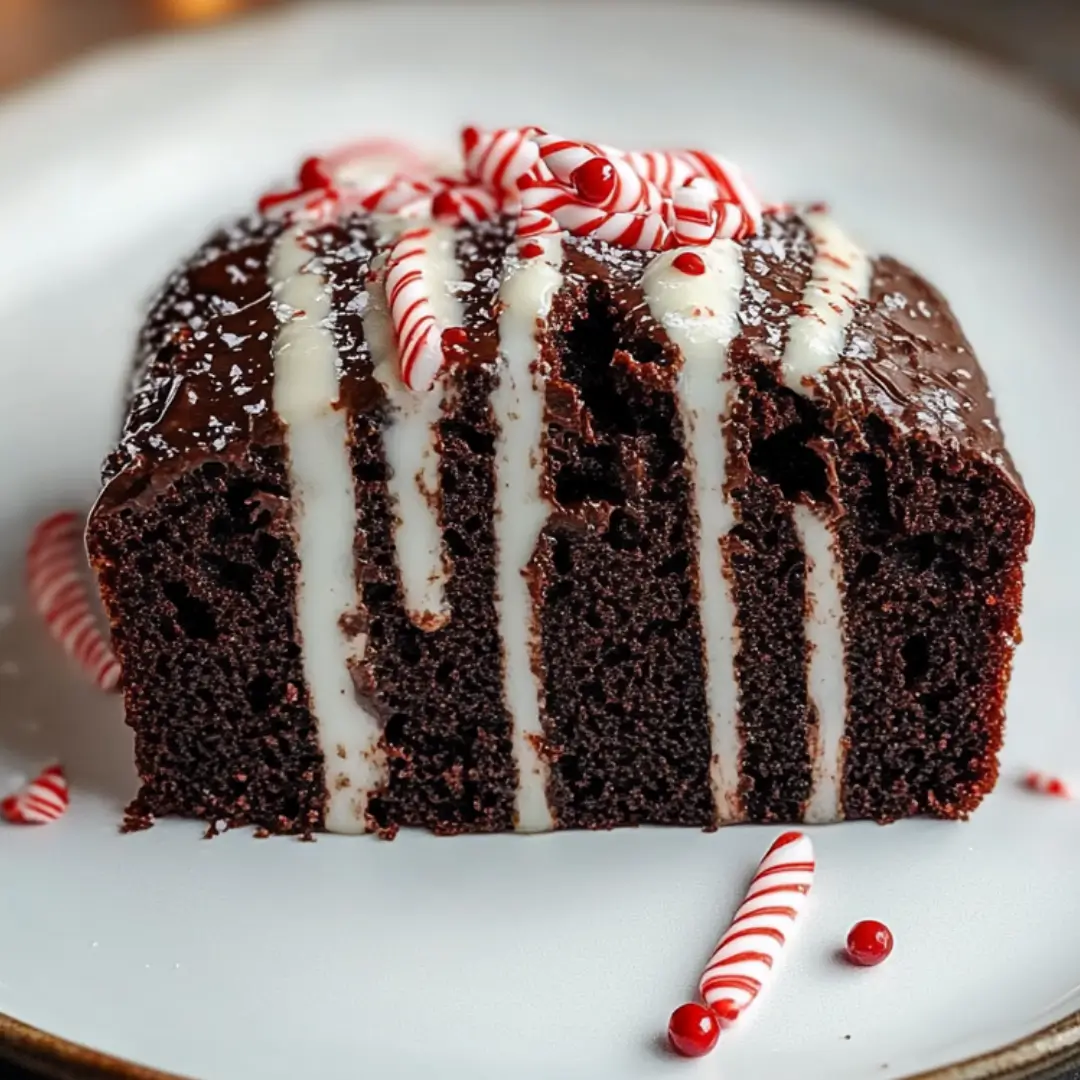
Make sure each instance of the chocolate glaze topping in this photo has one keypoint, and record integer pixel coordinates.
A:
(202, 384)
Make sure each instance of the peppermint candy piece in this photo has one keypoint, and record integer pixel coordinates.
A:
(667, 170)
(743, 961)
(57, 581)
(366, 161)
(44, 799)
(499, 159)
(397, 196)
(648, 201)
(691, 215)
(468, 203)
(646, 231)
(416, 329)
(535, 222)
(562, 157)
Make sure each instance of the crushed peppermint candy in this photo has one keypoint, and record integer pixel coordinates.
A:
(644, 201)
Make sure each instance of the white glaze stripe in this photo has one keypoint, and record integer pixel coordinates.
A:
(826, 674)
(410, 435)
(324, 517)
(700, 314)
(521, 510)
(839, 276)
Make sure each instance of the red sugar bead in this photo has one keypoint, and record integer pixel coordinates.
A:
(693, 1030)
(454, 337)
(594, 181)
(313, 174)
(444, 205)
(689, 263)
(869, 942)
(532, 250)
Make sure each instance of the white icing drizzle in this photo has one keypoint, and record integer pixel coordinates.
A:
(324, 518)
(521, 510)
(700, 314)
(826, 674)
(410, 435)
(839, 276)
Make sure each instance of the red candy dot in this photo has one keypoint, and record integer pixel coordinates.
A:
(532, 250)
(313, 174)
(455, 337)
(689, 263)
(693, 1030)
(444, 205)
(869, 942)
(594, 181)
(469, 138)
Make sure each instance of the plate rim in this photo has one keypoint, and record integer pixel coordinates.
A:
(1036, 1056)
(1025, 1059)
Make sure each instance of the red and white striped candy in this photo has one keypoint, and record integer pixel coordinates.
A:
(408, 292)
(632, 191)
(642, 232)
(499, 159)
(547, 196)
(534, 222)
(57, 579)
(394, 156)
(734, 222)
(314, 204)
(42, 800)
(733, 186)
(468, 203)
(691, 215)
(1045, 784)
(563, 156)
(401, 194)
(666, 169)
(743, 960)
(645, 231)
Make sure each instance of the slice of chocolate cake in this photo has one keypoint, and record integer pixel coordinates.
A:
(577, 491)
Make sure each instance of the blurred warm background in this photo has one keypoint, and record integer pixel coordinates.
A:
(36, 36)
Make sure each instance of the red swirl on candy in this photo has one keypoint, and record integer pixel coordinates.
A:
(42, 800)
(648, 201)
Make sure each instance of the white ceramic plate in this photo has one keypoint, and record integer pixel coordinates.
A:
(555, 956)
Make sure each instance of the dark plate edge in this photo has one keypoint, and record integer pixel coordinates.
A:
(1035, 1057)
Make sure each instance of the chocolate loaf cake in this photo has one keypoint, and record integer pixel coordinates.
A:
(577, 491)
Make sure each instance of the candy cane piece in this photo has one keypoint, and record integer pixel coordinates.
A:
(547, 196)
(642, 232)
(1045, 784)
(536, 223)
(733, 184)
(666, 169)
(416, 329)
(44, 799)
(466, 204)
(57, 581)
(393, 197)
(313, 204)
(562, 156)
(394, 156)
(743, 960)
(645, 231)
(691, 215)
(498, 159)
